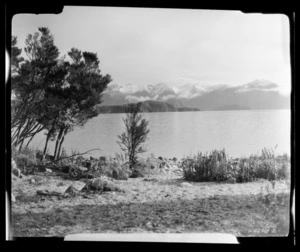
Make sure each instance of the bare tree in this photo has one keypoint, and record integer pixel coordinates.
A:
(136, 133)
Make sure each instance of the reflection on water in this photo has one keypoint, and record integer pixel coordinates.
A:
(177, 134)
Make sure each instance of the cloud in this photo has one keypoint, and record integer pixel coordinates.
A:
(132, 98)
(167, 97)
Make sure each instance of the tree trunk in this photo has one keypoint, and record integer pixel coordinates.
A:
(46, 145)
(57, 142)
(29, 140)
(21, 144)
(60, 143)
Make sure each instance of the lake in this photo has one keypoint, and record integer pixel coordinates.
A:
(178, 134)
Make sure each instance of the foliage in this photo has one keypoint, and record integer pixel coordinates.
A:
(135, 135)
(51, 93)
(25, 163)
(217, 167)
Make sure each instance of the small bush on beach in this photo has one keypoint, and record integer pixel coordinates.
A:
(216, 166)
(25, 163)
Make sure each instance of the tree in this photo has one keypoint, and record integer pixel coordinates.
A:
(136, 133)
(29, 83)
(81, 93)
(53, 94)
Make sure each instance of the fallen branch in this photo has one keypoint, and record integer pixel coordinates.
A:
(47, 193)
(79, 154)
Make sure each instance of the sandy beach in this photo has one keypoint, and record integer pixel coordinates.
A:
(162, 203)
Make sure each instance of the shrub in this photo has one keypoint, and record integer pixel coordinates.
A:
(206, 168)
(266, 170)
(217, 167)
(25, 163)
(283, 171)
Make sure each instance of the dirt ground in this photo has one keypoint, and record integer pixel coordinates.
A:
(157, 203)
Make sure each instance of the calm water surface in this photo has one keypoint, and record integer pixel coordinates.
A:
(178, 134)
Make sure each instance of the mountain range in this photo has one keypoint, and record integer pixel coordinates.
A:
(258, 94)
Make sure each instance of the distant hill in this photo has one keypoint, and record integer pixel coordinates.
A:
(146, 107)
(233, 107)
(258, 94)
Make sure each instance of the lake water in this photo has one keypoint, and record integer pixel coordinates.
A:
(178, 134)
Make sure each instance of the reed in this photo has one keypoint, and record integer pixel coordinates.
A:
(216, 166)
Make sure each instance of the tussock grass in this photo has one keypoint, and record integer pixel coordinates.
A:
(216, 166)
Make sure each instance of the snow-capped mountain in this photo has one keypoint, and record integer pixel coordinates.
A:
(258, 94)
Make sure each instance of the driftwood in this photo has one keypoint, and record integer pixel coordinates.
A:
(79, 154)
(47, 193)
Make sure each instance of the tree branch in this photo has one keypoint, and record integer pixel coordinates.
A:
(79, 154)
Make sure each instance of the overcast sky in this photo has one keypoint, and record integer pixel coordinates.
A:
(173, 46)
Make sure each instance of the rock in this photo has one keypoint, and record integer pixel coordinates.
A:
(78, 185)
(13, 198)
(60, 184)
(98, 184)
(101, 184)
(136, 174)
(16, 172)
(13, 164)
(83, 169)
(71, 190)
(111, 187)
(186, 184)
(14, 177)
(32, 181)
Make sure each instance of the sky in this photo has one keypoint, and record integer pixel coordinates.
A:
(174, 46)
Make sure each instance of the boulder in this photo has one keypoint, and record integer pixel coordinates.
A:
(101, 184)
(48, 170)
(13, 198)
(78, 185)
(98, 184)
(71, 190)
(16, 172)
